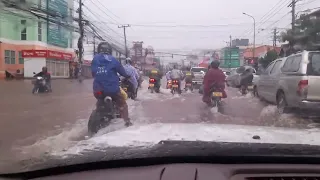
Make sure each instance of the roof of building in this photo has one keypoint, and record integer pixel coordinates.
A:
(259, 51)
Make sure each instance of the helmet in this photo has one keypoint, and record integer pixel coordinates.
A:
(215, 64)
(129, 61)
(44, 68)
(104, 47)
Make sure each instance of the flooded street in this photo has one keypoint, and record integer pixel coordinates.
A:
(54, 124)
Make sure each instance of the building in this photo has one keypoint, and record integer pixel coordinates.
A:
(260, 51)
(240, 42)
(27, 43)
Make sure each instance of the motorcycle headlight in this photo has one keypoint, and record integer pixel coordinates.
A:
(39, 78)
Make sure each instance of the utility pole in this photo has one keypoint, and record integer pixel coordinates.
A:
(94, 44)
(80, 40)
(275, 37)
(125, 37)
(293, 13)
(230, 51)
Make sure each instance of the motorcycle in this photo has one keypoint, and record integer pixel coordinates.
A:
(125, 85)
(169, 84)
(215, 96)
(39, 85)
(189, 86)
(106, 110)
(153, 85)
(244, 89)
(175, 87)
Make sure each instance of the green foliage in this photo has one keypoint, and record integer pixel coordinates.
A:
(268, 58)
(306, 35)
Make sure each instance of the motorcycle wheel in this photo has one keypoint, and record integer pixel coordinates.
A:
(94, 123)
(35, 90)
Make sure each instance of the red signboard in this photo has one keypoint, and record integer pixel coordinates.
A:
(34, 53)
(46, 54)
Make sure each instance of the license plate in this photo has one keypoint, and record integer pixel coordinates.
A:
(151, 85)
(175, 86)
(188, 84)
(250, 87)
(217, 94)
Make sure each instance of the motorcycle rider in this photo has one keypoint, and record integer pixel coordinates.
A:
(214, 75)
(104, 68)
(47, 78)
(246, 77)
(177, 74)
(156, 74)
(140, 74)
(189, 75)
(134, 76)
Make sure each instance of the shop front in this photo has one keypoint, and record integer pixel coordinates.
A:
(56, 62)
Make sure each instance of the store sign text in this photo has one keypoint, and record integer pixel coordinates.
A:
(46, 54)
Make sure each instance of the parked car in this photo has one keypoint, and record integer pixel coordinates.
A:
(292, 82)
(233, 79)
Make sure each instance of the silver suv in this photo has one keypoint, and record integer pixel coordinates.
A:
(292, 82)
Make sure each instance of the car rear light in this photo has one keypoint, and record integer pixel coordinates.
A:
(303, 88)
(175, 81)
(152, 80)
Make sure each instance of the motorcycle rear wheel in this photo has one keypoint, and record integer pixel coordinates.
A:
(95, 122)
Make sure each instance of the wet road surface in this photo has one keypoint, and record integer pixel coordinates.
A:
(60, 118)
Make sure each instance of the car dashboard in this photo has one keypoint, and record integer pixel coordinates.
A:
(199, 172)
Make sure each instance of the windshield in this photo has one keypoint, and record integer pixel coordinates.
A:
(107, 86)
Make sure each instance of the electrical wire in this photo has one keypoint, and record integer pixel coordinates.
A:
(277, 8)
(184, 25)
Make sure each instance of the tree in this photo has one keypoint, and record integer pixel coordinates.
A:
(306, 35)
(268, 58)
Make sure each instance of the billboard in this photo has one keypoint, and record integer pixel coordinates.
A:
(56, 34)
(231, 59)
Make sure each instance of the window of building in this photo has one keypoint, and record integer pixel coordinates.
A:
(39, 31)
(10, 57)
(24, 30)
(21, 59)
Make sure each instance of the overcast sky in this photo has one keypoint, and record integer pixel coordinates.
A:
(191, 24)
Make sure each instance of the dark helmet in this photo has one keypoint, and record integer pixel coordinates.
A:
(104, 47)
(44, 68)
(215, 64)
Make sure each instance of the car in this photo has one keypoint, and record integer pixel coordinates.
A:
(199, 73)
(292, 82)
(233, 79)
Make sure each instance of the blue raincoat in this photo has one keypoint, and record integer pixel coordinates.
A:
(104, 69)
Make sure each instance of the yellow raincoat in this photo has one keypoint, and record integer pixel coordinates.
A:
(123, 94)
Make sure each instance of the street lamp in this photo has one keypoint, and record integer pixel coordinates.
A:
(254, 34)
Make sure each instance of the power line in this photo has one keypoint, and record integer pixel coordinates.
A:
(105, 23)
(275, 14)
(108, 10)
(272, 12)
(103, 10)
(183, 25)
